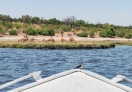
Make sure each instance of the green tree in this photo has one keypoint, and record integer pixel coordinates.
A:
(26, 19)
(79, 23)
(82, 34)
(91, 34)
(128, 34)
(31, 31)
(13, 32)
(2, 29)
(108, 33)
(35, 20)
(8, 25)
(44, 26)
(51, 32)
(42, 32)
(65, 28)
(120, 33)
(52, 21)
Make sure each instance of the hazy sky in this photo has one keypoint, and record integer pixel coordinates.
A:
(118, 12)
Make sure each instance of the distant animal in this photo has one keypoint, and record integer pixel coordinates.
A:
(51, 40)
(69, 34)
(23, 40)
(71, 39)
(63, 40)
(79, 66)
(44, 40)
(31, 39)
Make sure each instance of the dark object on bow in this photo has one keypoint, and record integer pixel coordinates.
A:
(79, 66)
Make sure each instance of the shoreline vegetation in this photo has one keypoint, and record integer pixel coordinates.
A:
(38, 45)
(38, 42)
(69, 33)
(59, 45)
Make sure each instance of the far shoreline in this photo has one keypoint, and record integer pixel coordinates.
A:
(81, 43)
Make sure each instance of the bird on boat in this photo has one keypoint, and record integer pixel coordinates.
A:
(79, 66)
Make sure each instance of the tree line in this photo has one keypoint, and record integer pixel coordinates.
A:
(40, 26)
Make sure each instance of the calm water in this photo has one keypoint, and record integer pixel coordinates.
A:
(15, 63)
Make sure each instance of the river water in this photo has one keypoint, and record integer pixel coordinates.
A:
(15, 63)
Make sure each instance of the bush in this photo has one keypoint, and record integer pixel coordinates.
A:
(91, 34)
(66, 29)
(82, 34)
(31, 31)
(103, 34)
(8, 25)
(13, 32)
(25, 25)
(17, 26)
(51, 32)
(108, 33)
(1, 32)
(2, 29)
(42, 32)
(128, 35)
(120, 33)
(46, 32)
(44, 26)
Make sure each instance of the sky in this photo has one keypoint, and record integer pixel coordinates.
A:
(117, 12)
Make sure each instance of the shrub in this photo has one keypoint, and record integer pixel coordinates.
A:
(51, 32)
(65, 28)
(13, 32)
(108, 33)
(17, 26)
(8, 25)
(120, 33)
(2, 29)
(128, 35)
(46, 32)
(91, 34)
(31, 31)
(82, 34)
(42, 32)
(25, 25)
(1, 32)
(44, 26)
(103, 33)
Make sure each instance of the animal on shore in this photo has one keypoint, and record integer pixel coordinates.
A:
(23, 40)
(44, 40)
(63, 40)
(71, 39)
(31, 39)
(51, 40)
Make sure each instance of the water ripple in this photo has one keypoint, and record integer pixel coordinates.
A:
(15, 63)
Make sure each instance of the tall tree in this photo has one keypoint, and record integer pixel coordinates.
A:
(79, 23)
(26, 19)
(35, 20)
(69, 21)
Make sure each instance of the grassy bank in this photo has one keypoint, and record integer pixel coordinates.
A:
(120, 43)
(58, 45)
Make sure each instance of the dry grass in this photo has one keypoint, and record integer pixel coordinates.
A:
(59, 44)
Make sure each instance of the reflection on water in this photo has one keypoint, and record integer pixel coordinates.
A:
(15, 63)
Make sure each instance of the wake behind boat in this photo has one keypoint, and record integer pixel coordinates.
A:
(75, 80)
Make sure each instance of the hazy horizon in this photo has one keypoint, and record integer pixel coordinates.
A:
(96, 11)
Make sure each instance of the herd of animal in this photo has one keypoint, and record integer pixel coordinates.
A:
(24, 39)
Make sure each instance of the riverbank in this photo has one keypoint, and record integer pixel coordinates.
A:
(80, 42)
(57, 45)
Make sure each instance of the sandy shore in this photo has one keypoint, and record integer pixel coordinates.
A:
(39, 38)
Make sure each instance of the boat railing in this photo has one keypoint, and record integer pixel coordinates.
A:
(120, 78)
(35, 75)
